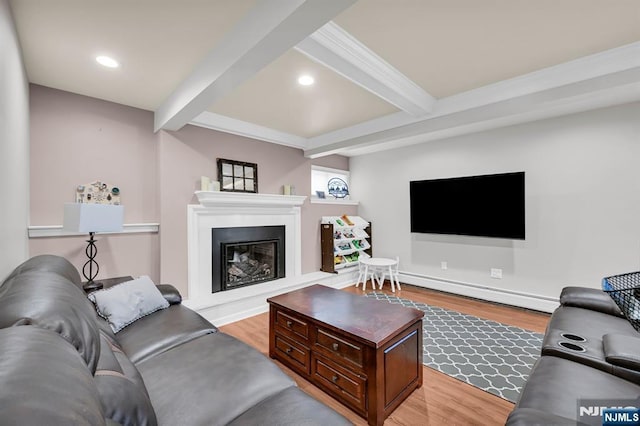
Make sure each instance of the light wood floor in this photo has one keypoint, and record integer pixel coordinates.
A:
(441, 399)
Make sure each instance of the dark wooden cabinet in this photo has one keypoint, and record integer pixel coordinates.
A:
(365, 353)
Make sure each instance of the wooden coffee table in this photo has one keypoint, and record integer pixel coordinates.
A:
(365, 353)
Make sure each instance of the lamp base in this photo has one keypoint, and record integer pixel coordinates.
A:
(92, 286)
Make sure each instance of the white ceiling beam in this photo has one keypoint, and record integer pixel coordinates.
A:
(270, 29)
(596, 81)
(339, 51)
(600, 92)
(586, 102)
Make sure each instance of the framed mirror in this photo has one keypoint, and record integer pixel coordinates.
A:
(237, 176)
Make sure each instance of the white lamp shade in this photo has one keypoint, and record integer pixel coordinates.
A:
(82, 217)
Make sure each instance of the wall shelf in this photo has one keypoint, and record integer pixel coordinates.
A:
(316, 200)
(49, 231)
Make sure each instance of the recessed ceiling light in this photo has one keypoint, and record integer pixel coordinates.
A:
(107, 61)
(305, 80)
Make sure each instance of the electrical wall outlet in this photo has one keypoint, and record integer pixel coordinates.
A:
(496, 273)
(443, 265)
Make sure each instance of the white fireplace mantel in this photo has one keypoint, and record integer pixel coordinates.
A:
(218, 199)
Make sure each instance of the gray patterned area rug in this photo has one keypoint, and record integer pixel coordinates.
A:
(494, 357)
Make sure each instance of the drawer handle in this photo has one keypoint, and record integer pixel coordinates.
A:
(288, 350)
(334, 379)
(335, 346)
(289, 324)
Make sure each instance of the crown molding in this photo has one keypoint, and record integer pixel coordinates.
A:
(379, 124)
(339, 51)
(226, 124)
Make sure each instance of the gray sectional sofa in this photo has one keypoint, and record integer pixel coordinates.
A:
(590, 360)
(61, 364)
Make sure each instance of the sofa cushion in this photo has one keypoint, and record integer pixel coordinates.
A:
(44, 381)
(127, 302)
(225, 378)
(291, 407)
(123, 395)
(556, 385)
(53, 302)
(161, 331)
(48, 263)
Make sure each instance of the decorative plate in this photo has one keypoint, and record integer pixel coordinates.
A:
(338, 188)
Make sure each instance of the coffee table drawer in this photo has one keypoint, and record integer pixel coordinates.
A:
(296, 355)
(338, 347)
(292, 326)
(347, 386)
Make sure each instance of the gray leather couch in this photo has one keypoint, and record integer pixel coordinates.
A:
(60, 364)
(590, 359)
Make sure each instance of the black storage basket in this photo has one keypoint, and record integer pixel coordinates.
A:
(624, 289)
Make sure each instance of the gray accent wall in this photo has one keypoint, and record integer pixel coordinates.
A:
(582, 205)
(14, 147)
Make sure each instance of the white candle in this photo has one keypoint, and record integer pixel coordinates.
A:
(205, 183)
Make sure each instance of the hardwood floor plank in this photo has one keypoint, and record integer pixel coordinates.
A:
(442, 399)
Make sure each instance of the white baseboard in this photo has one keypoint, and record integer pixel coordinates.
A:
(236, 310)
(491, 294)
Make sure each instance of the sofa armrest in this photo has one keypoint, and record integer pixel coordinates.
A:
(170, 293)
(590, 298)
(622, 350)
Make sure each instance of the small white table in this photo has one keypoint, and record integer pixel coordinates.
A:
(384, 266)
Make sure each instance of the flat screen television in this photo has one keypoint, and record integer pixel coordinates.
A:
(484, 206)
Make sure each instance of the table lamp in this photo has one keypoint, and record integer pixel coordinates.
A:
(92, 218)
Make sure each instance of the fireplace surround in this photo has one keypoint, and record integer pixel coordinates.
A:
(237, 210)
(233, 209)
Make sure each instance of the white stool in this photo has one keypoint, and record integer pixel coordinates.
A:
(365, 272)
(392, 270)
(382, 266)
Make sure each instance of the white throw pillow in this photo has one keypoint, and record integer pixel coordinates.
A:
(127, 302)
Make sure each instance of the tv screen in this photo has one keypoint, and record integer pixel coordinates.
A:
(485, 206)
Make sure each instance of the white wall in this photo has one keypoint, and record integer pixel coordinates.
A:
(582, 206)
(14, 147)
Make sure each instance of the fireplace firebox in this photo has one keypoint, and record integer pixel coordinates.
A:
(243, 256)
